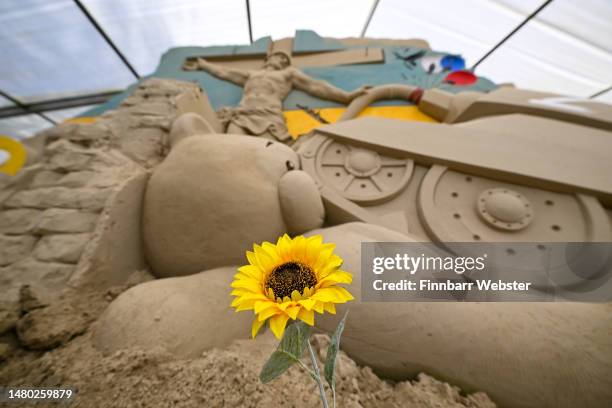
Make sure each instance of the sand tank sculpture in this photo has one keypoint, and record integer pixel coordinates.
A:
(163, 183)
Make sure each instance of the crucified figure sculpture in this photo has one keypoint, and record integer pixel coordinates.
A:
(259, 112)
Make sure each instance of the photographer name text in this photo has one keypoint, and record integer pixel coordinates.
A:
(458, 265)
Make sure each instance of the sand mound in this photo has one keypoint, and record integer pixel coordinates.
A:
(227, 378)
(220, 377)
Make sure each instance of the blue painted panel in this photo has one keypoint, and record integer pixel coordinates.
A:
(309, 41)
(402, 65)
(259, 46)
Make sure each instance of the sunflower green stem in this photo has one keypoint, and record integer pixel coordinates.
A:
(313, 358)
(308, 370)
(334, 396)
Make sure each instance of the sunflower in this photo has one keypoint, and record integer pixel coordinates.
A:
(290, 280)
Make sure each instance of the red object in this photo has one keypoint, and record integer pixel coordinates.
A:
(416, 95)
(461, 78)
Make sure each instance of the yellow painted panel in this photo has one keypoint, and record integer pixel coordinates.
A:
(17, 155)
(84, 119)
(299, 122)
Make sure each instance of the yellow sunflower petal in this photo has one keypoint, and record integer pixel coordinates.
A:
(329, 307)
(284, 248)
(250, 284)
(318, 239)
(307, 316)
(272, 252)
(254, 296)
(334, 294)
(241, 275)
(251, 271)
(327, 249)
(256, 326)
(344, 293)
(326, 295)
(239, 292)
(277, 325)
(293, 311)
(279, 241)
(318, 307)
(285, 305)
(264, 260)
(313, 249)
(322, 259)
(245, 305)
(334, 278)
(307, 303)
(328, 246)
(251, 258)
(246, 298)
(262, 305)
(265, 314)
(270, 294)
(299, 249)
(334, 262)
(295, 296)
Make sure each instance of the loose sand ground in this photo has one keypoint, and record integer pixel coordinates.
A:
(219, 378)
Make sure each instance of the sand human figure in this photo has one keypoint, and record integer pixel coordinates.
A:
(259, 112)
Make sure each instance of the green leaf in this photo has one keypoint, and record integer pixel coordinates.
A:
(289, 351)
(295, 338)
(332, 353)
(277, 364)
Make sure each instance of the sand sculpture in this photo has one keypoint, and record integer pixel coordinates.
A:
(264, 179)
(260, 110)
(389, 337)
(364, 179)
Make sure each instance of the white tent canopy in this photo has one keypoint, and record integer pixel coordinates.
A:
(51, 49)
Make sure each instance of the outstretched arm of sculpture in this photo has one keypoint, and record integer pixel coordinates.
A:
(235, 75)
(324, 90)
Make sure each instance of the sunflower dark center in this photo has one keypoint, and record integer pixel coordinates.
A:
(290, 276)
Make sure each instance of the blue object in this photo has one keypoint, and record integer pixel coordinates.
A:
(452, 63)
